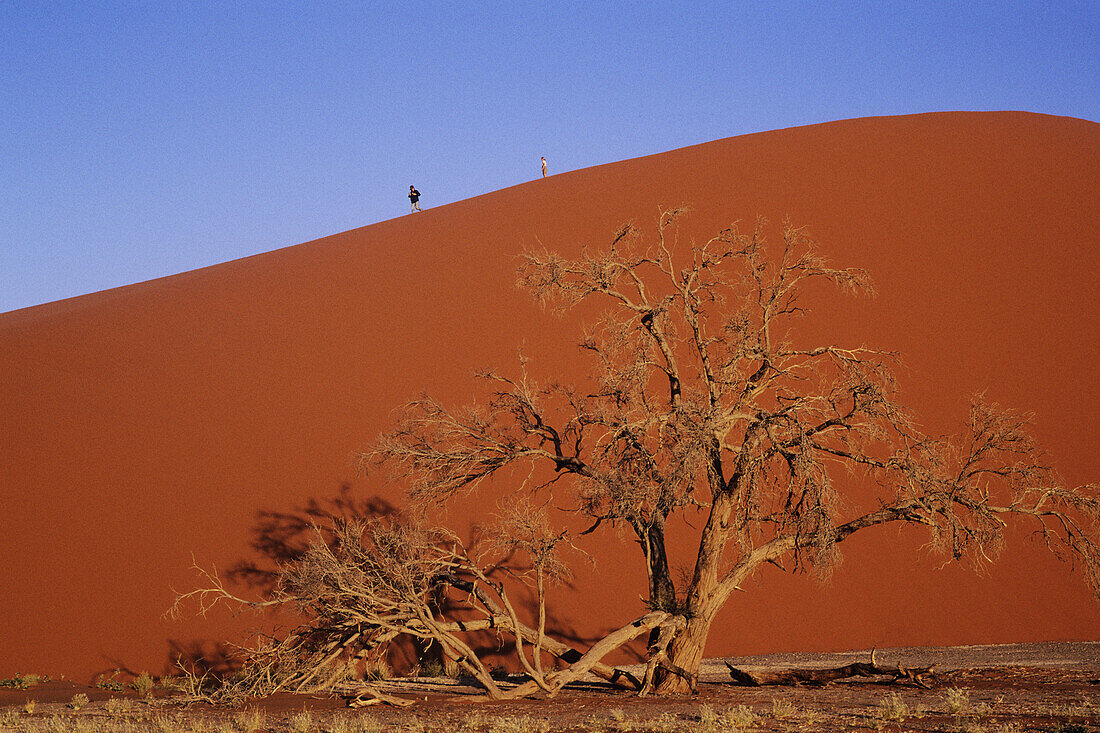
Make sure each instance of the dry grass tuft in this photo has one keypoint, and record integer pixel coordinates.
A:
(893, 708)
(143, 684)
(956, 700)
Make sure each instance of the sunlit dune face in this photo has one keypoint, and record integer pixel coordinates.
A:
(155, 422)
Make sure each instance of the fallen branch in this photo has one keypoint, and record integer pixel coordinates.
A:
(564, 652)
(362, 695)
(598, 651)
(916, 675)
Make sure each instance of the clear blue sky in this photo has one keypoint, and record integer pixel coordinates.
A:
(141, 139)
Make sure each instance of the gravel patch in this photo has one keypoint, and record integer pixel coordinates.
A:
(1062, 654)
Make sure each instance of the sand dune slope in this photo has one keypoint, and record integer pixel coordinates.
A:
(149, 423)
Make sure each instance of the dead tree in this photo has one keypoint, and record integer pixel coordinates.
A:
(704, 395)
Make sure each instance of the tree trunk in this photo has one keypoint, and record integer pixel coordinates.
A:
(679, 674)
(681, 670)
(662, 591)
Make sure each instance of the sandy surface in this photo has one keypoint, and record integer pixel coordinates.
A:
(1033, 687)
(1082, 655)
(148, 427)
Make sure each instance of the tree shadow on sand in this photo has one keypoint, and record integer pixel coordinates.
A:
(282, 537)
(203, 657)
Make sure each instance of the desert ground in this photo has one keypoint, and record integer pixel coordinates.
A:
(1008, 687)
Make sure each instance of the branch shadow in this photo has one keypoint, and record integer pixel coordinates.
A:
(281, 537)
(202, 657)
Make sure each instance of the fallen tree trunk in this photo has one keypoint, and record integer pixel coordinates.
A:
(919, 676)
(591, 658)
(362, 695)
(564, 652)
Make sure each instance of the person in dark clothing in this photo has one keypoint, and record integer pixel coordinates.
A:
(414, 198)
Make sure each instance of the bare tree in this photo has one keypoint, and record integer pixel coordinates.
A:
(702, 395)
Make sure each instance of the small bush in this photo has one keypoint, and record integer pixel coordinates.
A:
(143, 684)
(302, 722)
(79, 700)
(377, 669)
(166, 724)
(250, 719)
(594, 724)
(956, 700)
(782, 709)
(104, 682)
(711, 721)
(431, 668)
(23, 681)
(337, 724)
(893, 708)
(741, 716)
(174, 683)
(666, 722)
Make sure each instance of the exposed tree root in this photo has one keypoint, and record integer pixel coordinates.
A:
(918, 676)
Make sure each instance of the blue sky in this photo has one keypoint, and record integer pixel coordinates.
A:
(141, 139)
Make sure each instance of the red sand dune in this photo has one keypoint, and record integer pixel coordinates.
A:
(143, 424)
